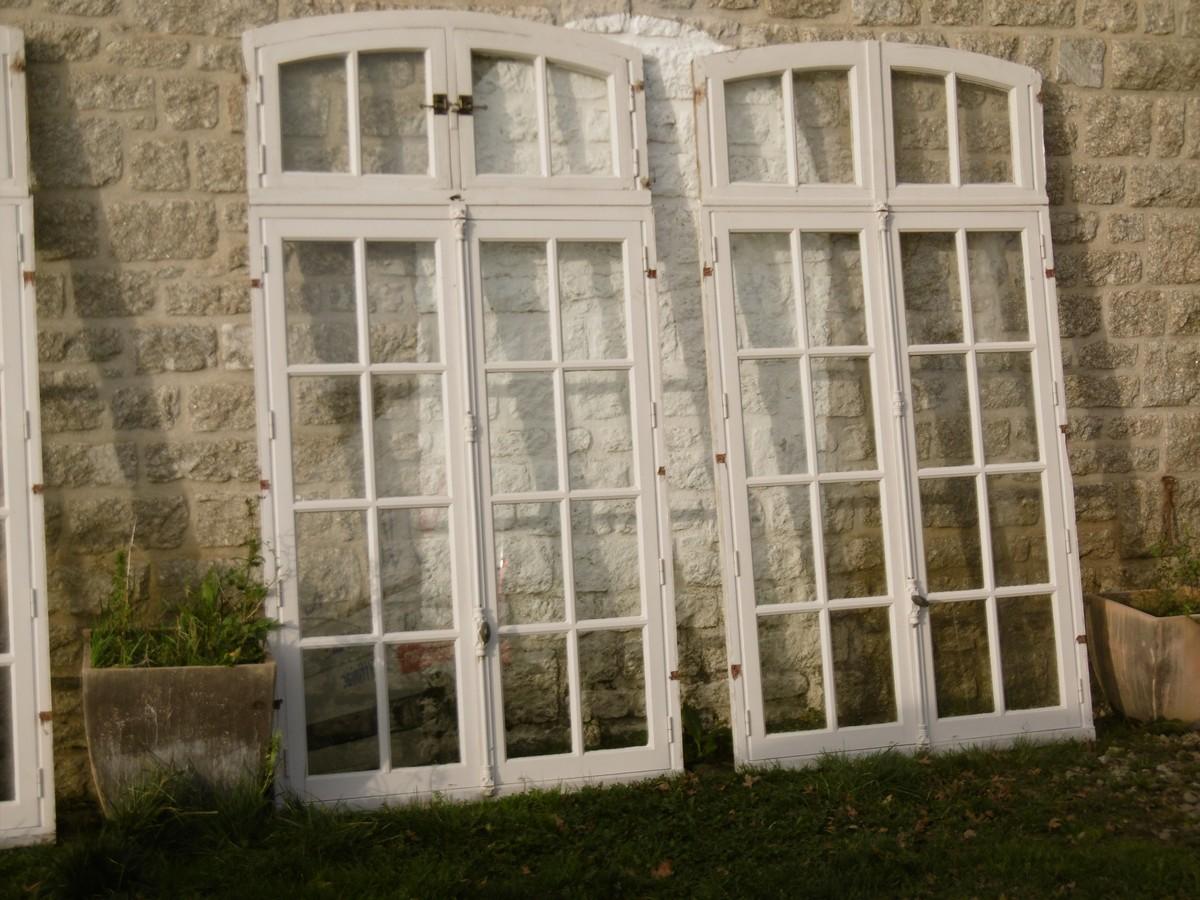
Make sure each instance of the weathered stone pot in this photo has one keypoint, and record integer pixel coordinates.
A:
(213, 720)
(1148, 666)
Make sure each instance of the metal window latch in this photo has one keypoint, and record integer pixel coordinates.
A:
(483, 634)
(466, 105)
(440, 105)
(920, 600)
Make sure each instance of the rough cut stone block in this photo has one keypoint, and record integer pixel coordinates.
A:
(1097, 267)
(122, 293)
(209, 461)
(177, 348)
(802, 9)
(1078, 315)
(223, 520)
(70, 402)
(221, 58)
(1126, 228)
(78, 345)
(1136, 313)
(160, 164)
(1173, 255)
(1164, 184)
(1107, 355)
(1117, 126)
(221, 17)
(190, 103)
(75, 152)
(1001, 46)
(82, 7)
(1095, 502)
(147, 52)
(145, 408)
(1116, 16)
(104, 525)
(1183, 312)
(1073, 227)
(47, 41)
(1172, 376)
(163, 229)
(1169, 119)
(114, 93)
(65, 227)
(1155, 66)
(1097, 183)
(221, 166)
(885, 12)
(1025, 12)
(237, 347)
(51, 294)
(956, 12)
(1081, 62)
(221, 407)
(1160, 16)
(1089, 391)
(1183, 443)
(82, 465)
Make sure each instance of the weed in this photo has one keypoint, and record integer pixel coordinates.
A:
(1178, 578)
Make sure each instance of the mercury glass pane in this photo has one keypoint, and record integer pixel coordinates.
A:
(773, 416)
(536, 687)
(391, 92)
(342, 724)
(318, 291)
(580, 122)
(1017, 515)
(331, 573)
(941, 409)
(996, 266)
(604, 550)
(8, 777)
(516, 300)
(984, 138)
(862, 666)
(920, 128)
(327, 442)
(410, 435)
(833, 289)
(962, 665)
(764, 301)
(781, 544)
(843, 413)
(754, 125)
(824, 141)
(521, 432)
(793, 686)
(950, 529)
(1007, 407)
(423, 704)
(403, 301)
(932, 296)
(612, 690)
(591, 299)
(529, 552)
(5, 646)
(1028, 652)
(505, 117)
(315, 135)
(852, 528)
(415, 569)
(599, 429)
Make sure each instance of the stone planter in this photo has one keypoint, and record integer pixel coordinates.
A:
(1148, 666)
(214, 720)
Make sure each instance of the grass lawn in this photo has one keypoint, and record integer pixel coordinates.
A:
(1120, 817)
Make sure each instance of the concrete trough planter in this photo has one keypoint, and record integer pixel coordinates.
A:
(213, 720)
(1149, 666)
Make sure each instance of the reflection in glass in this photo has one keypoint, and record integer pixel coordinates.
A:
(1007, 407)
(941, 409)
(920, 127)
(1028, 654)
(318, 290)
(415, 569)
(8, 775)
(529, 551)
(342, 725)
(314, 133)
(932, 297)
(524, 452)
(402, 301)
(852, 528)
(536, 688)
(782, 545)
(422, 704)
(950, 531)
(391, 94)
(793, 685)
(580, 123)
(962, 668)
(505, 118)
(984, 136)
(1018, 522)
(327, 441)
(996, 266)
(591, 297)
(516, 300)
(599, 429)
(754, 125)
(612, 693)
(824, 141)
(833, 289)
(604, 550)
(865, 687)
(331, 573)
(773, 416)
(763, 296)
(410, 435)
(843, 413)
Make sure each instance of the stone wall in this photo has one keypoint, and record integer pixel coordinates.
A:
(136, 120)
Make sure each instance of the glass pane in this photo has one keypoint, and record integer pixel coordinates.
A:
(5, 647)
(984, 139)
(950, 527)
(763, 298)
(327, 443)
(773, 416)
(604, 549)
(580, 122)
(1028, 653)
(1007, 407)
(599, 429)
(521, 431)
(410, 435)
(339, 706)
(932, 296)
(852, 527)
(612, 693)
(318, 290)
(920, 127)
(996, 265)
(862, 666)
(331, 573)
(423, 704)
(403, 302)
(536, 686)
(844, 415)
(505, 118)
(529, 552)
(391, 91)
(962, 666)
(833, 289)
(793, 687)
(782, 545)
(941, 409)
(1018, 529)
(591, 298)
(312, 115)
(754, 126)
(824, 142)
(516, 300)
(8, 775)
(415, 569)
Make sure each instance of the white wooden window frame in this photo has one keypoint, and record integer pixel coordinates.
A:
(1018, 206)
(29, 817)
(383, 207)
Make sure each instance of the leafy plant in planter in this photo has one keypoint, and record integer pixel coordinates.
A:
(193, 692)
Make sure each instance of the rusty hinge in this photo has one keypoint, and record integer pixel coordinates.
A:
(721, 458)
(18, 63)
(1081, 638)
(646, 181)
(708, 271)
(39, 489)
(255, 283)
(674, 675)
(637, 86)
(1065, 429)
(735, 671)
(27, 276)
(264, 485)
(652, 273)
(440, 105)
(662, 470)
(466, 105)
(45, 716)
(699, 94)
(1049, 273)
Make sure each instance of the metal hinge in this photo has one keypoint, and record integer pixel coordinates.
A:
(1054, 391)
(262, 159)
(650, 272)
(271, 425)
(725, 406)
(258, 88)
(470, 428)
(662, 572)
(34, 603)
(440, 105)
(1069, 548)
(653, 414)
(1049, 273)
(721, 457)
(265, 259)
(1080, 690)
(466, 105)
(737, 563)
(28, 425)
(898, 404)
(21, 247)
(41, 783)
(707, 271)
(747, 723)
(670, 729)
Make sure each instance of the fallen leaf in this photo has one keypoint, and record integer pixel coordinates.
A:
(1054, 824)
(968, 834)
(662, 870)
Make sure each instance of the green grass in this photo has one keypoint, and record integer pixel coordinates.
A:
(1090, 820)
